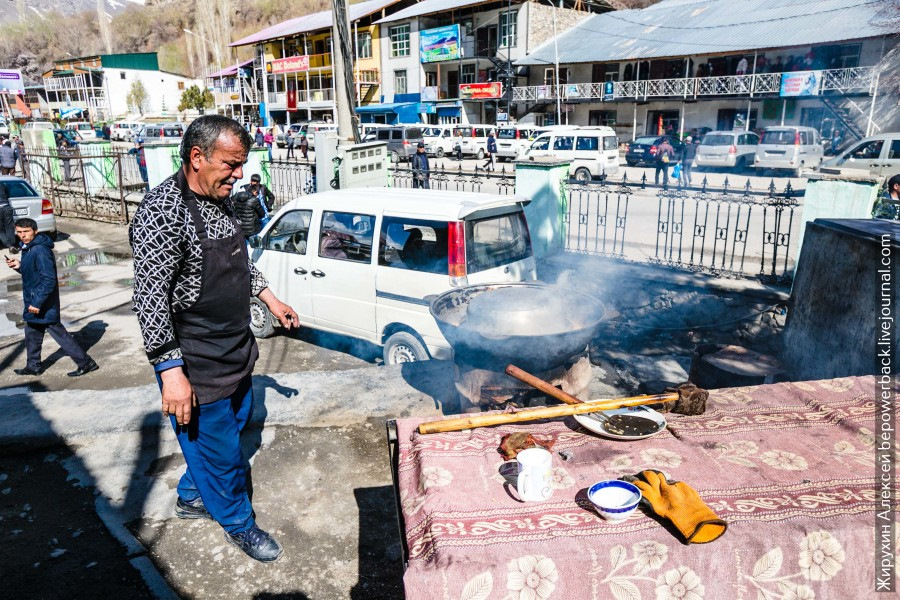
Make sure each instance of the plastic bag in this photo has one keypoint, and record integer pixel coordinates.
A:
(676, 171)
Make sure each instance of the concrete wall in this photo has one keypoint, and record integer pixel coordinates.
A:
(836, 197)
(544, 183)
(833, 319)
(162, 90)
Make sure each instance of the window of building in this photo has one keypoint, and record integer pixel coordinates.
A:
(508, 27)
(468, 74)
(430, 79)
(399, 40)
(604, 118)
(180, 85)
(121, 74)
(400, 81)
(364, 45)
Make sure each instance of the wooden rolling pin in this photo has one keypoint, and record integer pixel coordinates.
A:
(547, 412)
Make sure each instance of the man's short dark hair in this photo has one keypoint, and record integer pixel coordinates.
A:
(255, 178)
(27, 223)
(205, 131)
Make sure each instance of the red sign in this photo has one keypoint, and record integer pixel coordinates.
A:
(480, 91)
(293, 64)
(291, 96)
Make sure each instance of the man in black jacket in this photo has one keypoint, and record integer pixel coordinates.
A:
(264, 194)
(420, 167)
(7, 231)
(249, 212)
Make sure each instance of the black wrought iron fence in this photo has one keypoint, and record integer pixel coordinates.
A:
(440, 178)
(289, 179)
(596, 217)
(86, 185)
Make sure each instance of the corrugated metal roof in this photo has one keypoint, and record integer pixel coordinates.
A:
(691, 27)
(312, 22)
(232, 70)
(427, 7)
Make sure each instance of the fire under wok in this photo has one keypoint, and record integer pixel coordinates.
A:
(532, 325)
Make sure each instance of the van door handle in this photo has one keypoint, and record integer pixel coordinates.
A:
(300, 271)
(318, 273)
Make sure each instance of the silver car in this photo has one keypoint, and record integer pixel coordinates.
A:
(728, 149)
(789, 148)
(878, 156)
(28, 203)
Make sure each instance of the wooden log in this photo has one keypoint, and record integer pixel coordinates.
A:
(547, 412)
(540, 384)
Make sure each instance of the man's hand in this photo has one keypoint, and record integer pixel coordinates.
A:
(13, 263)
(33, 310)
(281, 311)
(177, 395)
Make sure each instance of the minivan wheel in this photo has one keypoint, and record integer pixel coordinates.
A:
(395, 158)
(262, 323)
(480, 155)
(439, 152)
(403, 347)
(582, 175)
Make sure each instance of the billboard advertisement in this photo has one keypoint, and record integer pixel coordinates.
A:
(480, 91)
(801, 83)
(293, 64)
(439, 44)
(11, 82)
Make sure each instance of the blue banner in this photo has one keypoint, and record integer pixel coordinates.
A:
(439, 44)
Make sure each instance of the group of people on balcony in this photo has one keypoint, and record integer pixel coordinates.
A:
(725, 66)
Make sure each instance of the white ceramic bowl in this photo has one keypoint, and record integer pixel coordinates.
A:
(615, 500)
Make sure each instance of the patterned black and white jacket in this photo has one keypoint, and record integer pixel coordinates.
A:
(168, 261)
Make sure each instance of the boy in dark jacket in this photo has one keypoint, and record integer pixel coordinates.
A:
(40, 290)
(249, 212)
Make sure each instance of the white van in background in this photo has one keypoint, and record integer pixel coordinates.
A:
(474, 138)
(791, 148)
(592, 151)
(363, 265)
(513, 140)
(84, 128)
(124, 131)
(438, 139)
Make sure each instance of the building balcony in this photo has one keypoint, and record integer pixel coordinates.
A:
(316, 98)
(852, 80)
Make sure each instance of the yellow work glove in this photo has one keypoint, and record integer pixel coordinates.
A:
(680, 504)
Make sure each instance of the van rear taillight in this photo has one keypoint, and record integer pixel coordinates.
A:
(46, 207)
(732, 150)
(456, 249)
(796, 138)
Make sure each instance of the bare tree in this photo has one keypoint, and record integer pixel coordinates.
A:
(103, 24)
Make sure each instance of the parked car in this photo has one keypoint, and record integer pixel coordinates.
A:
(71, 135)
(642, 151)
(474, 139)
(727, 149)
(281, 138)
(85, 129)
(363, 265)
(26, 202)
(438, 139)
(124, 131)
(312, 128)
(513, 141)
(401, 141)
(46, 125)
(790, 148)
(591, 151)
(163, 132)
(878, 155)
(4, 127)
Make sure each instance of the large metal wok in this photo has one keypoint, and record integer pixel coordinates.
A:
(535, 326)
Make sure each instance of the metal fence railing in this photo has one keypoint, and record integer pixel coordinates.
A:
(498, 181)
(289, 179)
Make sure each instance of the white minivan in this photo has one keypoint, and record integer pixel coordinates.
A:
(791, 148)
(513, 140)
(125, 131)
(474, 139)
(365, 265)
(592, 151)
(85, 129)
(438, 139)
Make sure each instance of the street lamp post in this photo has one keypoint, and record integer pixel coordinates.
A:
(218, 55)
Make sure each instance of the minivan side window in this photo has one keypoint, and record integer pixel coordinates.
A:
(290, 233)
(396, 134)
(414, 245)
(868, 150)
(610, 142)
(587, 143)
(496, 241)
(563, 142)
(346, 236)
(541, 144)
(384, 134)
(894, 152)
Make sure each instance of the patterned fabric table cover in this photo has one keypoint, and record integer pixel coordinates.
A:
(790, 466)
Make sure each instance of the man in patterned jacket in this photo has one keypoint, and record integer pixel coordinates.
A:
(193, 281)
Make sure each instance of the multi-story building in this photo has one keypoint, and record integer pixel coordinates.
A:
(293, 62)
(236, 91)
(694, 64)
(450, 61)
(97, 87)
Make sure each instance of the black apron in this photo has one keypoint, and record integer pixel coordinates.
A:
(217, 346)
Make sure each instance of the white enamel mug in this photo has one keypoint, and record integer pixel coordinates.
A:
(535, 474)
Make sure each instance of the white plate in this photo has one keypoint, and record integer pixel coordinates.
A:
(641, 411)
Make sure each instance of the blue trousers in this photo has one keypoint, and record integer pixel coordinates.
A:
(216, 471)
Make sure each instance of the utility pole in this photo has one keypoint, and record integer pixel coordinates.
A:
(342, 68)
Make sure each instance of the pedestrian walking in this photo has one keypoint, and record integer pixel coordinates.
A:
(22, 156)
(458, 145)
(250, 212)
(664, 155)
(269, 139)
(289, 140)
(688, 154)
(265, 195)
(193, 281)
(304, 146)
(420, 168)
(64, 152)
(141, 159)
(7, 158)
(260, 138)
(40, 292)
(7, 226)
(491, 151)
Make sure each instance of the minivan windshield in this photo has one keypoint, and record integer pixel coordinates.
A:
(496, 241)
(507, 134)
(431, 132)
(778, 136)
(717, 140)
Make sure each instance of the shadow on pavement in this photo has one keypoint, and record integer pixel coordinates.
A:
(86, 337)
(380, 568)
(436, 379)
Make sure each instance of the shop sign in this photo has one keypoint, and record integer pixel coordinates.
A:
(11, 82)
(480, 91)
(801, 83)
(439, 44)
(294, 64)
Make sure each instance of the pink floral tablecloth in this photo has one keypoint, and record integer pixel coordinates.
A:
(790, 466)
